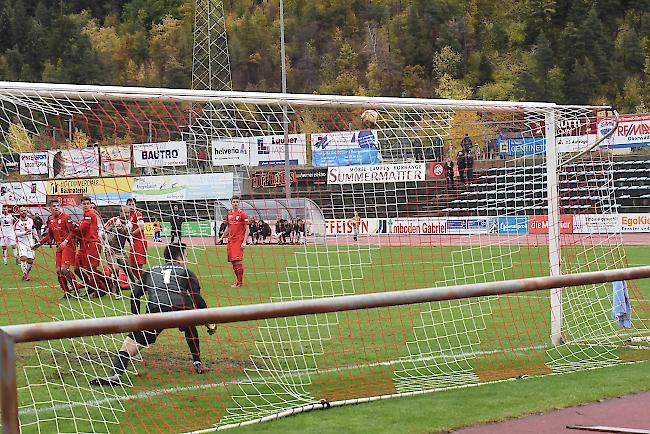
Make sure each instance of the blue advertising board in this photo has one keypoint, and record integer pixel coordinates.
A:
(345, 148)
(513, 225)
(523, 146)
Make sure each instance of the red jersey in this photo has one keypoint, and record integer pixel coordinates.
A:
(59, 229)
(89, 227)
(237, 223)
(136, 220)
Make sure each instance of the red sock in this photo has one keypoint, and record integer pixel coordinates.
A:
(239, 272)
(63, 282)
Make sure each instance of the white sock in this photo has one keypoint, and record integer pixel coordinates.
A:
(29, 267)
(4, 254)
(23, 266)
(15, 251)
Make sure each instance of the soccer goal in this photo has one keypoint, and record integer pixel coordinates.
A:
(360, 196)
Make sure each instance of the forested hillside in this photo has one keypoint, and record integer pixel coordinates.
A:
(566, 51)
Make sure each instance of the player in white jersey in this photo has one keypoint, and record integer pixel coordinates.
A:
(24, 228)
(7, 234)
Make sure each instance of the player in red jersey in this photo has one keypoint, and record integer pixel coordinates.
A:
(60, 229)
(90, 250)
(138, 254)
(237, 233)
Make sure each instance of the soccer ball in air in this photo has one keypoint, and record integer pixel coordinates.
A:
(369, 117)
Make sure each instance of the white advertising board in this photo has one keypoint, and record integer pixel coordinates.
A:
(33, 163)
(231, 152)
(376, 173)
(161, 154)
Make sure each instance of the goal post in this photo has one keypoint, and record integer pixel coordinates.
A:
(386, 195)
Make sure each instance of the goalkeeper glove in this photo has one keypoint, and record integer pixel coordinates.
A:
(212, 328)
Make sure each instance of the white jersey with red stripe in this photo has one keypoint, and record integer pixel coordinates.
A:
(24, 229)
(7, 224)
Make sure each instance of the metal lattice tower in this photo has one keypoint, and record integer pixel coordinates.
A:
(210, 58)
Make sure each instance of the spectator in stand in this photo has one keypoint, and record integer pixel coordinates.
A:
(202, 159)
(176, 221)
(461, 163)
(466, 143)
(469, 167)
(449, 171)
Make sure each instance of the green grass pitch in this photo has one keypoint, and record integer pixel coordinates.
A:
(333, 356)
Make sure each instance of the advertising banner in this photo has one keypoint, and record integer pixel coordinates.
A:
(437, 170)
(575, 143)
(33, 163)
(635, 222)
(416, 226)
(513, 225)
(23, 193)
(73, 163)
(231, 152)
(269, 150)
(161, 154)
(379, 173)
(345, 148)
(10, 163)
(165, 229)
(632, 131)
(538, 224)
(471, 225)
(271, 179)
(522, 146)
(344, 226)
(103, 191)
(312, 176)
(115, 160)
(183, 187)
(198, 229)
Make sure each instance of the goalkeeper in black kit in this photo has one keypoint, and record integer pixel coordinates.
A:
(169, 287)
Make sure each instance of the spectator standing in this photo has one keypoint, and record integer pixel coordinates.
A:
(449, 170)
(461, 163)
(156, 231)
(222, 229)
(202, 159)
(469, 166)
(466, 143)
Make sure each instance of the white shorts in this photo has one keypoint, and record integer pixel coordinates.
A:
(25, 249)
(7, 239)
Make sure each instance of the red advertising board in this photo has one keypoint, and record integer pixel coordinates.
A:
(538, 224)
(437, 170)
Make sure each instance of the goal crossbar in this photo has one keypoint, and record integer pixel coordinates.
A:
(10, 335)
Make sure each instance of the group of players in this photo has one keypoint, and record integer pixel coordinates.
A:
(79, 246)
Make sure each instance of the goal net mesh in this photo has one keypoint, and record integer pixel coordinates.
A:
(183, 154)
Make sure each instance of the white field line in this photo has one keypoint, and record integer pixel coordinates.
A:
(159, 392)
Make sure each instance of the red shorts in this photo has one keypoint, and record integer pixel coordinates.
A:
(65, 256)
(235, 252)
(138, 254)
(89, 254)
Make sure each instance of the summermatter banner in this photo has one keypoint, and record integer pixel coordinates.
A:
(183, 187)
(377, 174)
